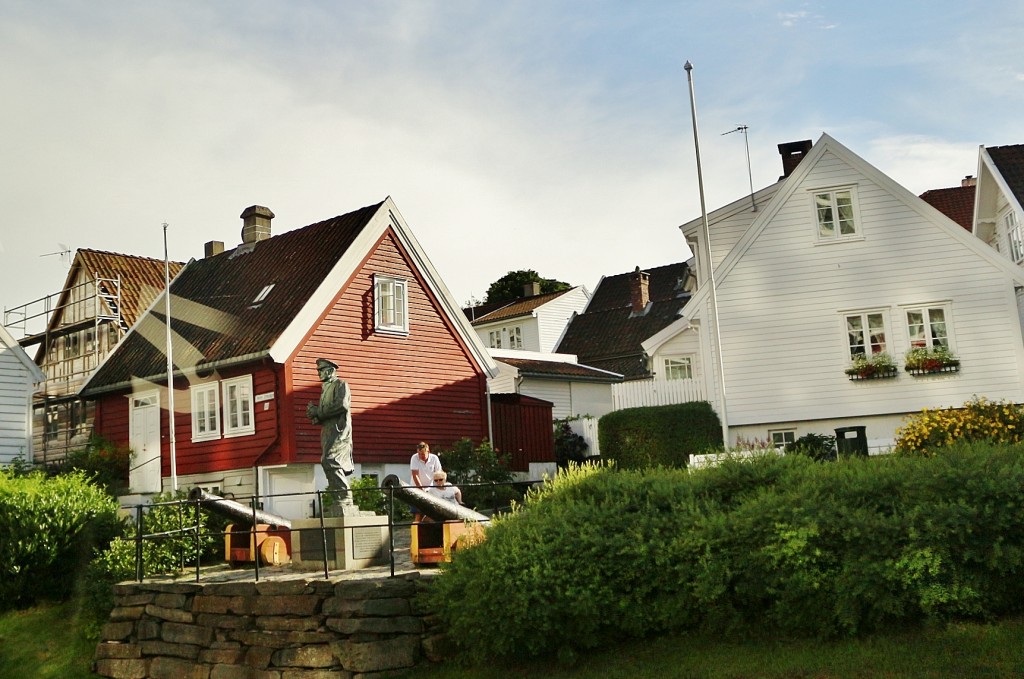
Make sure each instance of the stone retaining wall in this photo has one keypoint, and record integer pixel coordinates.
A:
(289, 629)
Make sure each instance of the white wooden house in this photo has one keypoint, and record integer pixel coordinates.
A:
(839, 260)
(19, 379)
(534, 322)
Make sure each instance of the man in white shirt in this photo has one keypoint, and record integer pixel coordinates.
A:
(423, 465)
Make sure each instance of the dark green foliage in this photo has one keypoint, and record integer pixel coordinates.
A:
(509, 287)
(49, 530)
(635, 438)
(101, 460)
(367, 494)
(569, 446)
(820, 447)
(777, 544)
(481, 472)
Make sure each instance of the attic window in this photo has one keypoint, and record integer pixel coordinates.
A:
(390, 305)
(263, 295)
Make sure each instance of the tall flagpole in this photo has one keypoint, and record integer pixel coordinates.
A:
(170, 367)
(711, 269)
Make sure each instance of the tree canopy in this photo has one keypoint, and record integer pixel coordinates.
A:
(510, 286)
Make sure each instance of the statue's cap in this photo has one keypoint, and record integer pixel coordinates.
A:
(322, 363)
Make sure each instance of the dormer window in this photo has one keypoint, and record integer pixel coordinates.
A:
(390, 305)
(262, 296)
(835, 212)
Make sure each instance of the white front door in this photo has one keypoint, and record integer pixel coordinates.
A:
(284, 480)
(144, 433)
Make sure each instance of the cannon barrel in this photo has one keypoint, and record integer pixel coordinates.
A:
(235, 511)
(436, 508)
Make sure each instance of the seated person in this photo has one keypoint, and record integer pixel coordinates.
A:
(443, 489)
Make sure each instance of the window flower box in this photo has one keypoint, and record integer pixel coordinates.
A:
(931, 361)
(878, 366)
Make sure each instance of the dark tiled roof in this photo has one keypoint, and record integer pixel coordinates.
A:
(608, 336)
(213, 300)
(559, 369)
(1010, 161)
(957, 203)
(520, 307)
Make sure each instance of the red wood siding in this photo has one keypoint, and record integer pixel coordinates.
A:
(221, 454)
(424, 386)
(523, 429)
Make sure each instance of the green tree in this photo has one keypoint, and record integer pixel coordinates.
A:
(509, 287)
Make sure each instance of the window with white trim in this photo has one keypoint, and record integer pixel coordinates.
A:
(494, 339)
(783, 438)
(238, 406)
(927, 326)
(1015, 234)
(679, 368)
(865, 333)
(515, 337)
(835, 213)
(205, 411)
(390, 304)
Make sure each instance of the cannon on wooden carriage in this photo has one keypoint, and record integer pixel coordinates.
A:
(252, 534)
(450, 524)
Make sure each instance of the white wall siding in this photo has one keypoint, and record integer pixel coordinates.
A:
(784, 344)
(554, 316)
(15, 407)
(559, 393)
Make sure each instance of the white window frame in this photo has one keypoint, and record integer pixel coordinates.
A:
(494, 339)
(781, 438)
(205, 411)
(515, 337)
(1014, 234)
(835, 196)
(931, 337)
(390, 305)
(244, 402)
(865, 316)
(672, 365)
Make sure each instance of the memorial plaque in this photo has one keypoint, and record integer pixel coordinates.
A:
(366, 542)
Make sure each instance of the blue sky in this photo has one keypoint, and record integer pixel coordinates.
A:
(546, 135)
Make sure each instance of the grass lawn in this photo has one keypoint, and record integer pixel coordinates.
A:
(44, 643)
(972, 651)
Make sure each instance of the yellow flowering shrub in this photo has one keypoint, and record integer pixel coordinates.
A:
(977, 420)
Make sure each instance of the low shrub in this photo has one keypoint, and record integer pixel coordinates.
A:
(103, 461)
(49, 530)
(367, 494)
(481, 472)
(635, 438)
(820, 447)
(977, 420)
(778, 543)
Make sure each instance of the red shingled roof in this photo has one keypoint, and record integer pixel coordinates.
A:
(214, 299)
(520, 307)
(957, 203)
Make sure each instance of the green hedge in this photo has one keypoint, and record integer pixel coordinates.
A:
(777, 544)
(49, 529)
(659, 436)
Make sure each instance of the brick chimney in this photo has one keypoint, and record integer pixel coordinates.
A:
(792, 153)
(969, 180)
(639, 293)
(212, 248)
(256, 223)
(531, 289)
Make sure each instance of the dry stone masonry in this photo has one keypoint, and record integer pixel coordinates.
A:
(288, 629)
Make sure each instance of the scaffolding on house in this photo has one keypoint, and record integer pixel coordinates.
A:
(75, 329)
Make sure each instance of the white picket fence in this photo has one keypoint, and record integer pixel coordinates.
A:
(641, 393)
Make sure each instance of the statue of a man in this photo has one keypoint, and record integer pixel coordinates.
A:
(334, 416)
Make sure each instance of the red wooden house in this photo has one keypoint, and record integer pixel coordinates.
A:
(248, 325)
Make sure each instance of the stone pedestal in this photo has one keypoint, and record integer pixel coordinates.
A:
(353, 542)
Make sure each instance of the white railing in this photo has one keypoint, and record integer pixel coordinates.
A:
(641, 393)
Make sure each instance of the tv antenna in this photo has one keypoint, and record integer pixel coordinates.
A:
(64, 253)
(750, 177)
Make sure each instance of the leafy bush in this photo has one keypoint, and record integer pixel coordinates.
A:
(367, 494)
(635, 438)
(103, 461)
(821, 447)
(773, 542)
(978, 420)
(569, 446)
(481, 472)
(50, 530)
